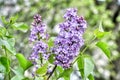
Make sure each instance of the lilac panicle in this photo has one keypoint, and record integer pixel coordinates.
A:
(70, 40)
(38, 35)
(38, 30)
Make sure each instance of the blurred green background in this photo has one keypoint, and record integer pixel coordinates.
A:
(95, 12)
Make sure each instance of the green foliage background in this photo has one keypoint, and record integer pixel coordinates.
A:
(105, 13)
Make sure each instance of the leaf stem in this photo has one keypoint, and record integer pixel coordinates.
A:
(52, 72)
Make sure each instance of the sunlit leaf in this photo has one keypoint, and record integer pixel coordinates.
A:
(60, 69)
(65, 73)
(20, 26)
(42, 70)
(100, 34)
(104, 47)
(51, 41)
(66, 78)
(13, 19)
(24, 63)
(2, 31)
(4, 20)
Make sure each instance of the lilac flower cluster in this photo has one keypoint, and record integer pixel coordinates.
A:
(38, 35)
(70, 40)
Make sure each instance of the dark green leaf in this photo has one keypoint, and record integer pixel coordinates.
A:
(104, 47)
(91, 77)
(24, 63)
(26, 78)
(20, 26)
(5, 62)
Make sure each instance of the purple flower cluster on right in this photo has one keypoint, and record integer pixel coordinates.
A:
(69, 41)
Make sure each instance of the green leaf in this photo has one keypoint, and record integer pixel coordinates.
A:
(19, 74)
(66, 78)
(2, 68)
(51, 58)
(42, 70)
(5, 62)
(26, 78)
(60, 69)
(81, 62)
(65, 73)
(100, 34)
(88, 66)
(13, 19)
(51, 41)
(20, 26)
(11, 41)
(91, 77)
(18, 71)
(17, 78)
(4, 20)
(24, 63)
(8, 45)
(85, 65)
(2, 31)
(104, 47)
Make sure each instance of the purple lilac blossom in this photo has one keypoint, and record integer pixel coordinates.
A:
(69, 40)
(38, 35)
(38, 30)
